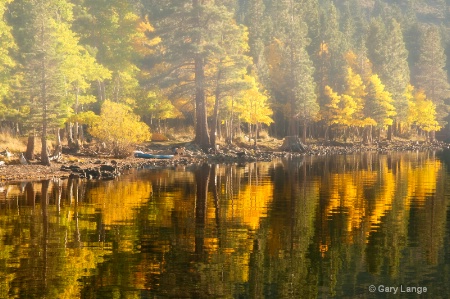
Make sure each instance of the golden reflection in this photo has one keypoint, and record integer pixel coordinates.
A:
(118, 201)
(365, 196)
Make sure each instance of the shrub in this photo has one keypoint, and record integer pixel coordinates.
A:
(119, 128)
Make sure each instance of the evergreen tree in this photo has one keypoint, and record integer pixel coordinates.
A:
(7, 44)
(191, 34)
(43, 74)
(257, 24)
(226, 71)
(430, 74)
(388, 53)
(396, 73)
(7, 62)
(111, 28)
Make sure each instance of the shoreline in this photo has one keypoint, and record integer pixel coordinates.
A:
(96, 168)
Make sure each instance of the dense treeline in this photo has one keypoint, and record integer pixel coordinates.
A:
(318, 69)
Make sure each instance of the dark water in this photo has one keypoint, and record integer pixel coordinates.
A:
(318, 227)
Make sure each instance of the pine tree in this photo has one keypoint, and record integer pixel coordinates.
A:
(257, 23)
(191, 34)
(387, 50)
(43, 74)
(396, 75)
(111, 28)
(305, 93)
(226, 71)
(7, 44)
(8, 104)
(430, 74)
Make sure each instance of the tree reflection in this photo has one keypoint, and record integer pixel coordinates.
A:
(308, 227)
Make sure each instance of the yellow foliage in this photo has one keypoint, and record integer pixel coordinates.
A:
(118, 201)
(142, 44)
(421, 110)
(253, 105)
(119, 127)
(379, 102)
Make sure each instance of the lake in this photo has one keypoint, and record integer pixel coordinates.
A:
(357, 226)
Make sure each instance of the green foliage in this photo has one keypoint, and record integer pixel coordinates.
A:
(119, 127)
(430, 74)
(344, 63)
(7, 44)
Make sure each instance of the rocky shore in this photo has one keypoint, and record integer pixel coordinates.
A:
(86, 166)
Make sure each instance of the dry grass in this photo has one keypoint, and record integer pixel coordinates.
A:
(159, 137)
(14, 145)
(19, 145)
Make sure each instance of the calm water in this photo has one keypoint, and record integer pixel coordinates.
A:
(318, 227)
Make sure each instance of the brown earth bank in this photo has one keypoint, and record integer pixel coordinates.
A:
(92, 165)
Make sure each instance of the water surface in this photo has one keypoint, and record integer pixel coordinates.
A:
(313, 227)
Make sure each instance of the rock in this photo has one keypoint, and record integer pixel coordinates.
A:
(22, 159)
(108, 168)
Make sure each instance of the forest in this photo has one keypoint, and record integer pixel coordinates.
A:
(121, 71)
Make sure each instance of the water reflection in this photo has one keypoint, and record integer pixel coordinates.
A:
(313, 227)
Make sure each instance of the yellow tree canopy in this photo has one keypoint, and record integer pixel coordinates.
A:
(422, 111)
(253, 105)
(379, 103)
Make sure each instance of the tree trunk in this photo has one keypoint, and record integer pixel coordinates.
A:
(44, 153)
(201, 130)
(70, 141)
(389, 133)
(256, 135)
(432, 136)
(201, 126)
(29, 154)
(215, 118)
(76, 132)
(304, 132)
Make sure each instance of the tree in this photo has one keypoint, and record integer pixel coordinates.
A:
(290, 67)
(7, 44)
(154, 105)
(305, 94)
(379, 104)
(387, 51)
(430, 74)
(226, 72)
(191, 34)
(253, 107)
(79, 69)
(43, 65)
(111, 28)
(397, 74)
(257, 23)
(119, 127)
(421, 110)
